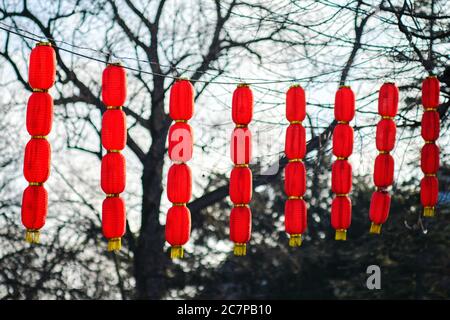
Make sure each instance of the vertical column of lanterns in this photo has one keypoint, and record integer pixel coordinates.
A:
(179, 179)
(295, 210)
(39, 118)
(241, 175)
(113, 170)
(341, 171)
(429, 158)
(383, 175)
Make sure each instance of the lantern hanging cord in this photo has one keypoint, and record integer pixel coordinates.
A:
(33, 37)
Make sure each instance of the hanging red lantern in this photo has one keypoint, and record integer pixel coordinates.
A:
(430, 126)
(295, 146)
(34, 211)
(240, 228)
(114, 130)
(429, 194)
(388, 100)
(379, 210)
(295, 220)
(113, 221)
(113, 173)
(295, 179)
(429, 160)
(42, 69)
(341, 216)
(344, 107)
(385, 136)
(39, 114)
(242, 105)
(180, 142)
(36, 165)
(341, 177)
(179, 183)
(241, 146)
(181, 104)
(241, 185)
(384, 171)
(430, 92)
(342, 141)
(295, 104)
(178, 229)
(114, 85)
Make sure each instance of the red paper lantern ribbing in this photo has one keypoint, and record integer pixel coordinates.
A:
(113, 218)
(179, 183)
(388, 100)
(344, 109)
(242, 105)
(342, 141)
(34, 211)
(181, 105)
(241, 146)
(39, 114)
(114, 85)
(384, 171)
(295, 179)
(295, 219)
(240, 226)
(429, 160)
(180, 142)
(430, 92)
(178, 226)
(295, 146)
(341, 177)
(430, 126)
(36, 165)
(295, 104)
(379, 207)
(385, 136)
(341, 216)
(241, 185)
(113, 173)
(42, 70)
(429, 192)
(114, 130)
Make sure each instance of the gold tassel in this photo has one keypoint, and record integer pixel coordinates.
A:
(240, 249)
(114, 244)
(32, 236)
(375, 228)
(428, 212)
(341, 234)
(295, 240)
(176, 252)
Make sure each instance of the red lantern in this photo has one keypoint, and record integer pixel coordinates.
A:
(344, 108)
(341, 177)
(384, 171)
(429, 160)
(178, 229)
(295, 179)
(36, 165)
(295, 146)
(181, 105)
(113, 173)
(114, 85)
(385, 136)
(430, 126)
(42, 70)
(379, 210)
(241, 146)
(342, 141)
(429, 194)
(295, 104)
(34, 211)
(180, 142)
(179, 183)
(341, 216)
(113, 221)
(295, 220)
(39, 114)
(240, 228)
(430, 92)
(114, 130)
(242, 105)
(388, 100)
(241, 185)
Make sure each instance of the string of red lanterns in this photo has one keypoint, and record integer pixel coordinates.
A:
(241, 185)
(383, 175)
(429, 157)
(295, 210)
(39, 118)
(341, 170)
(179, 177)
(113, 169)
